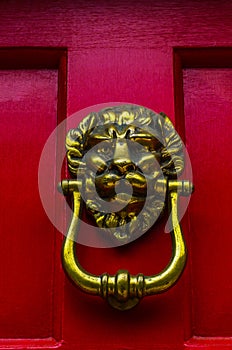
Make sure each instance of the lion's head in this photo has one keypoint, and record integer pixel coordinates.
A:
(120, 153)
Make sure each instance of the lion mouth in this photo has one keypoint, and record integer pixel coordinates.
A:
(132, 183)
(122, 205)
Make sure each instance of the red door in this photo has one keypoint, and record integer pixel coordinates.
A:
(59, 57)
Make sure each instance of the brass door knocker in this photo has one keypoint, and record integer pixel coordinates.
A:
(126, 161)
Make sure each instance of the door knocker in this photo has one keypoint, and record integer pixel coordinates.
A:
(125, 161)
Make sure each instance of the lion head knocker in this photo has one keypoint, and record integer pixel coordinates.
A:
(124, 159)
(120, 150)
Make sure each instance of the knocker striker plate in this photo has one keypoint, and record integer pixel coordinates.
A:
(125, 161)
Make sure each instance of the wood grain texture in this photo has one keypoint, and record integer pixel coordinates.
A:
(115, 24)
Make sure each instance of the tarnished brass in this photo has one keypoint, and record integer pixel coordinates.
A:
(108, 138)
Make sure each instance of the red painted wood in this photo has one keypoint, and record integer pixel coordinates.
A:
(29, 272)
(208, 343)
(28, 114)
(208, 100)
(151, 253)
(116, 51)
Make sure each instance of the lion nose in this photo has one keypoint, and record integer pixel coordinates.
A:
(122, 166)
(122, 161)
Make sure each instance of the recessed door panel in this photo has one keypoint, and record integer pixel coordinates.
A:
(28, 114)
(208, 106)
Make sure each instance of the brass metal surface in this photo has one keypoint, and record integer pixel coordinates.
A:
(109, 140)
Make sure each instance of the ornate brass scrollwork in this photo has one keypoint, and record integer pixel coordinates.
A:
(108, 137)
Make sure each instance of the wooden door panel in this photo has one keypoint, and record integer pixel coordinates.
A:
(208, 105)
(28, 114)
(30, 286)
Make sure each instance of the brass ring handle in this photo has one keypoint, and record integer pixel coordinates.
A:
(123, 291)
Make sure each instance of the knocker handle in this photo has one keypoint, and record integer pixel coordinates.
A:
(123, 291)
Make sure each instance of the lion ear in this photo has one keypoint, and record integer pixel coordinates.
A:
(172, 155)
